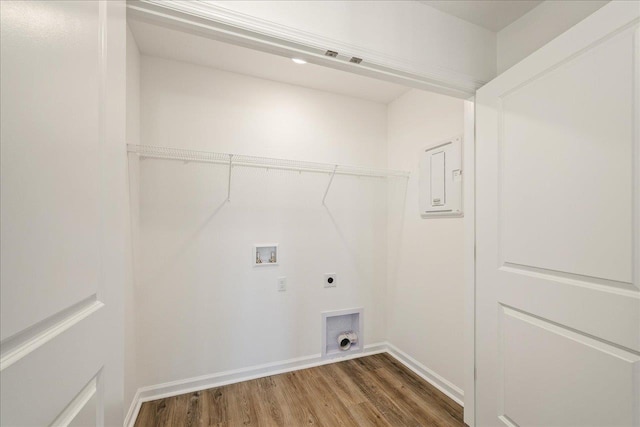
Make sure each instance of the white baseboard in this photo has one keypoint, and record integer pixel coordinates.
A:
(427, 374)
(189, 385)
(134, 409)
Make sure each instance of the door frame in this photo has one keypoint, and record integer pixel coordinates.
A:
(222, 24)
(469, 203)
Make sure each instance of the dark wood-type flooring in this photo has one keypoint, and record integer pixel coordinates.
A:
(370, 391)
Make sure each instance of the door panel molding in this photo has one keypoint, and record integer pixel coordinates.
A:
(55, 374)
(610, 372)
(626, 354)
(79, 402)
(593, 29)
(576, 307)
(21, 344)
(582, 160)
(593, 283)
(507, 421)
(50, 153)
(593, 45)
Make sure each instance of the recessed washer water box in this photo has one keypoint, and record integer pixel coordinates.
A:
(342, 325)
(265, 254)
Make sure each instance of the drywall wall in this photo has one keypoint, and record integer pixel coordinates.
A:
(538, 27)
(413, 34)
(426, 265)
(133, 137)
(201, 307)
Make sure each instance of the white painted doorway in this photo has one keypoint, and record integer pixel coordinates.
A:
(64, 209)
(558, 231)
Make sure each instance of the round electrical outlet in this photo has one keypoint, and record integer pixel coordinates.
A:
(330, 280)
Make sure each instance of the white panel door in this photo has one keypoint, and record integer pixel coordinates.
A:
(558, 232)
(63, 179)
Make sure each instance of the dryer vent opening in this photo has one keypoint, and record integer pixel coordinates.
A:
(342, 332)
(346, 339)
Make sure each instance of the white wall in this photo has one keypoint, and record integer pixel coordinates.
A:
(132, 137)
(419, 36)
(426, 264)
(538, 27)
(201, 307)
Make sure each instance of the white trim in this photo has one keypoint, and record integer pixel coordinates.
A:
(77, 404)
(635, 185)
(134, 410)
(427, 374)
(30, 339)
(507, 421)
(625, 354)
(189, 385)
(221, 23)
(469, 203)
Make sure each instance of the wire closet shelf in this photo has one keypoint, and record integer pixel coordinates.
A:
(239, 160)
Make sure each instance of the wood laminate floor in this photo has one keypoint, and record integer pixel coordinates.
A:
(370, 391)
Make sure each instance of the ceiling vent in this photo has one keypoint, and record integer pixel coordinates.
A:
(355, 60)
(331, 53)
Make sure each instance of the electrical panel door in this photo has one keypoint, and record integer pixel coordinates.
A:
(441, 179)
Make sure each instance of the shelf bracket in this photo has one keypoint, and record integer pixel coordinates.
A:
(229, 180)
(329, 184)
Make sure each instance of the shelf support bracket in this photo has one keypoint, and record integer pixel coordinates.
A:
(329, 184)
(229, 180)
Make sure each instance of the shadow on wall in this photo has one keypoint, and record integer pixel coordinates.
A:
(198, 284)
(183, 247)
(351, 201)
(397, 200)
(391, 199)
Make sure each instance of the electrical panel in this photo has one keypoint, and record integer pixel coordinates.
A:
(440, 183)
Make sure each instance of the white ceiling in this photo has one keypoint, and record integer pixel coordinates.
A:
(493, 15)
(155, 40)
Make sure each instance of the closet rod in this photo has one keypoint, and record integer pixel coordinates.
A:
(235, 160)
